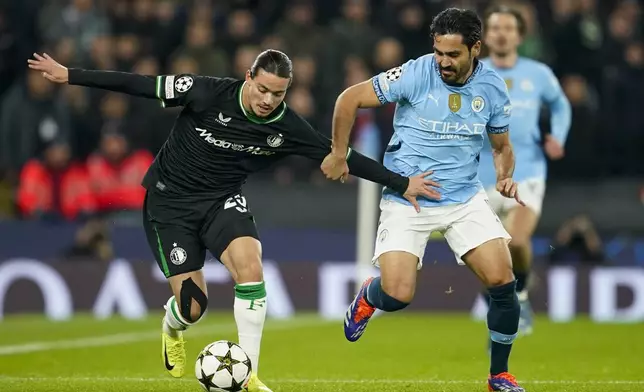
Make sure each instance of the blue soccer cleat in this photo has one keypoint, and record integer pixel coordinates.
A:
(358, 314)
(504, 382)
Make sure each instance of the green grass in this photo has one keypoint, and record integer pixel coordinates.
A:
(406, 352)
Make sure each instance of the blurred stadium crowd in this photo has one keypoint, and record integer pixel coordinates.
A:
(67, 151)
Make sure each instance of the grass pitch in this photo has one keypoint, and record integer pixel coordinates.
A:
(398, 353)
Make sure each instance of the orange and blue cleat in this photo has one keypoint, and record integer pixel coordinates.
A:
(358, 314)
(504, 382)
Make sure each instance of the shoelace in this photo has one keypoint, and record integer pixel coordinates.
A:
(175, 350)
(508, 377)
(364, 310)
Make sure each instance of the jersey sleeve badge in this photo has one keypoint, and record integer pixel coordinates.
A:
(394, 74)
(183, 84)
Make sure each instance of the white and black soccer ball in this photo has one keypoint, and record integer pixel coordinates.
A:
(223, 366)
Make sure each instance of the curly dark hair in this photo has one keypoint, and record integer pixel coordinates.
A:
(458, 21)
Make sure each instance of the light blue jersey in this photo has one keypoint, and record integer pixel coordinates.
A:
(531, 84)
(441, 127)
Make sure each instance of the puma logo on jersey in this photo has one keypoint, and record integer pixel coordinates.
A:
(433, 98)
(223, 120)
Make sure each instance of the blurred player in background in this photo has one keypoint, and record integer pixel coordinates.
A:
(228, 129)
(445, 104)
(530, 83)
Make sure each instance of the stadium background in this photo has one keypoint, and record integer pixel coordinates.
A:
(88, 251)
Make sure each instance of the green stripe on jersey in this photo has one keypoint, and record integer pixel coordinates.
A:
(259, 120)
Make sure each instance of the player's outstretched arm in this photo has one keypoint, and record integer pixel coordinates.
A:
(361, 95)
(304, 140)
(358, 96)
(123, 82)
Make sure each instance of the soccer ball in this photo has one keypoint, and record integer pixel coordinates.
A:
(223, 366)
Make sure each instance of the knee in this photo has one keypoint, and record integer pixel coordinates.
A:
(249, 269)
(498, 277)
(400, 290)
(520, 241)
(193, 302)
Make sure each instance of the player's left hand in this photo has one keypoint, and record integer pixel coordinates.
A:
(420, 185)
(335, 167)
(553, 148)
(508, 188)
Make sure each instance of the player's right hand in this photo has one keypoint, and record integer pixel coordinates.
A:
(49, 68)
(421, 186)
(508, 188)
(335, 167)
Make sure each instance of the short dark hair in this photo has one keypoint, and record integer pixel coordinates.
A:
(504, 9)
(273, 61)
(458, 21)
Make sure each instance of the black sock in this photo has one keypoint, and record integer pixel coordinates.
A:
(522, 279)
(503, 323)
(376, 297)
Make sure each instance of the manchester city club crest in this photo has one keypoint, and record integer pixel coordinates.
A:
(478, 104)
(383, 235)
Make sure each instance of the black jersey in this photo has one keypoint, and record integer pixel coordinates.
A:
(215, 143)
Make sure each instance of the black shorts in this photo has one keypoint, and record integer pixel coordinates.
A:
(180, 230)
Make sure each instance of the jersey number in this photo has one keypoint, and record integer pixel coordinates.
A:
(238, 202)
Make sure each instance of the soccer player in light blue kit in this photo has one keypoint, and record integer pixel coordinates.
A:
(445, 104)
(530, 84)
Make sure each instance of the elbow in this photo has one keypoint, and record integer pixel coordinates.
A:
(348, 100)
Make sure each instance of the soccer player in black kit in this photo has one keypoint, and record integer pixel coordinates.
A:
(228, 129)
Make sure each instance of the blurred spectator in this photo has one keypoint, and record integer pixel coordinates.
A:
(55, 188)
(625, 95)
(595, 48)
(581, 152)
(31, 115)
(298, 29)
(101, 54)
(532, 44)
(92, 242)
(578, 40)
(115, 174)
(244, 58)
(128, 47)
(81, 119)
(304, 71)
(80, 20)
(388, 54)
(184, 64)
(199, 45)
(577, 239)
(147, 122)
(240, 31)
(413, 30)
